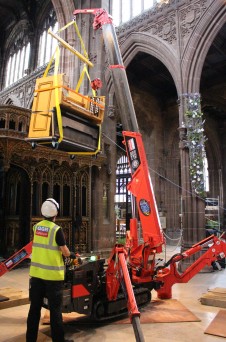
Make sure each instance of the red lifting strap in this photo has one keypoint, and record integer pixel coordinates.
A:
(117, 66)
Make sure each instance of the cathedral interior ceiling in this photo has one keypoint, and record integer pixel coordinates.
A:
(145, 71)
(11, 11)
(148, 73)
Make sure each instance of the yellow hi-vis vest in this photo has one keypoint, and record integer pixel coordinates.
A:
(46, 260)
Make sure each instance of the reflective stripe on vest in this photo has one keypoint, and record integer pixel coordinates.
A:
(54, 268)
(46, 261)
(54, 248)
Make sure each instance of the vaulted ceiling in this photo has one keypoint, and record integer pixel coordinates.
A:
(11, 11)
(144, 70)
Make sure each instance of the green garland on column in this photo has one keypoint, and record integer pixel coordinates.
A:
(195, 142)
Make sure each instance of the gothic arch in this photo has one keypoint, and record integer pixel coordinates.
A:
(22, 28)
(197, 49)
(144, 42)
(45, 9)
(13, 121)
(64, 10)
(22, 124)
(40, 171)
(63, 174)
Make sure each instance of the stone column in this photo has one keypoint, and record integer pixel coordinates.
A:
(33, 52)
(193, 204)
(93, 44)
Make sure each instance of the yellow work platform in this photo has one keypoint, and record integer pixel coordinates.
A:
(64, 118)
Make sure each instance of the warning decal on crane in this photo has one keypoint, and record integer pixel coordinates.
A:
(14, 260)
(133, 154)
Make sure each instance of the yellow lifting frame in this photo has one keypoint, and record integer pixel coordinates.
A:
(56, 86)
(70, 48)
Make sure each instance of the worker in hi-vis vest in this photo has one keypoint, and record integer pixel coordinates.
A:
(47, 272)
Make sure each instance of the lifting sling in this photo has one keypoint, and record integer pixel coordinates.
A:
(62, 117)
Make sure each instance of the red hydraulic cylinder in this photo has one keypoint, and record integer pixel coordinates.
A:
(132, 304)
(134, 232)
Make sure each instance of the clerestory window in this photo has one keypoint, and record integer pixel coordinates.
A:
(124, 10)
(47, 44)
(18, 62)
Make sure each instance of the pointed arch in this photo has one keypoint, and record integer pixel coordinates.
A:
(152, 45)
(197, 49)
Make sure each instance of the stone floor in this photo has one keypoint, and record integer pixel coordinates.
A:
(13, 320)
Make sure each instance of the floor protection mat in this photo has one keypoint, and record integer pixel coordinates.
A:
(158, 311)
(164, 311)
(217, 327)
(10, 297)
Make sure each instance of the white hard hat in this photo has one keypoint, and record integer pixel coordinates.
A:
(50, 208)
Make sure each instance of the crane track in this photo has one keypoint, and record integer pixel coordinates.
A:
(105, 310)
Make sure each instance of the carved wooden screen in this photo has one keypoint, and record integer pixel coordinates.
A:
(82, 221)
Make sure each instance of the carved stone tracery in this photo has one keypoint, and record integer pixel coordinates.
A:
(189, 15)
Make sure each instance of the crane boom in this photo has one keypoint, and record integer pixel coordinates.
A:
(121, 87)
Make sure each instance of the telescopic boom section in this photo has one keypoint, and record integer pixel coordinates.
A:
(141, 188)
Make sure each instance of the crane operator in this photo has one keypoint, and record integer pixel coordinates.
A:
(47, 273)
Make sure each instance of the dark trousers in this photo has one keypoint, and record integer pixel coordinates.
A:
(53, 290)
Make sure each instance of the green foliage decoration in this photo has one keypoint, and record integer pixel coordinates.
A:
(195, 141)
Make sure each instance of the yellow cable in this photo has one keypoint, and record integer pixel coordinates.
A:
(80, 79)
(78, 33)
(70, 48)
(81, 40)
(58, 111)
(66, 26)
(49, 64)
(93, 91)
